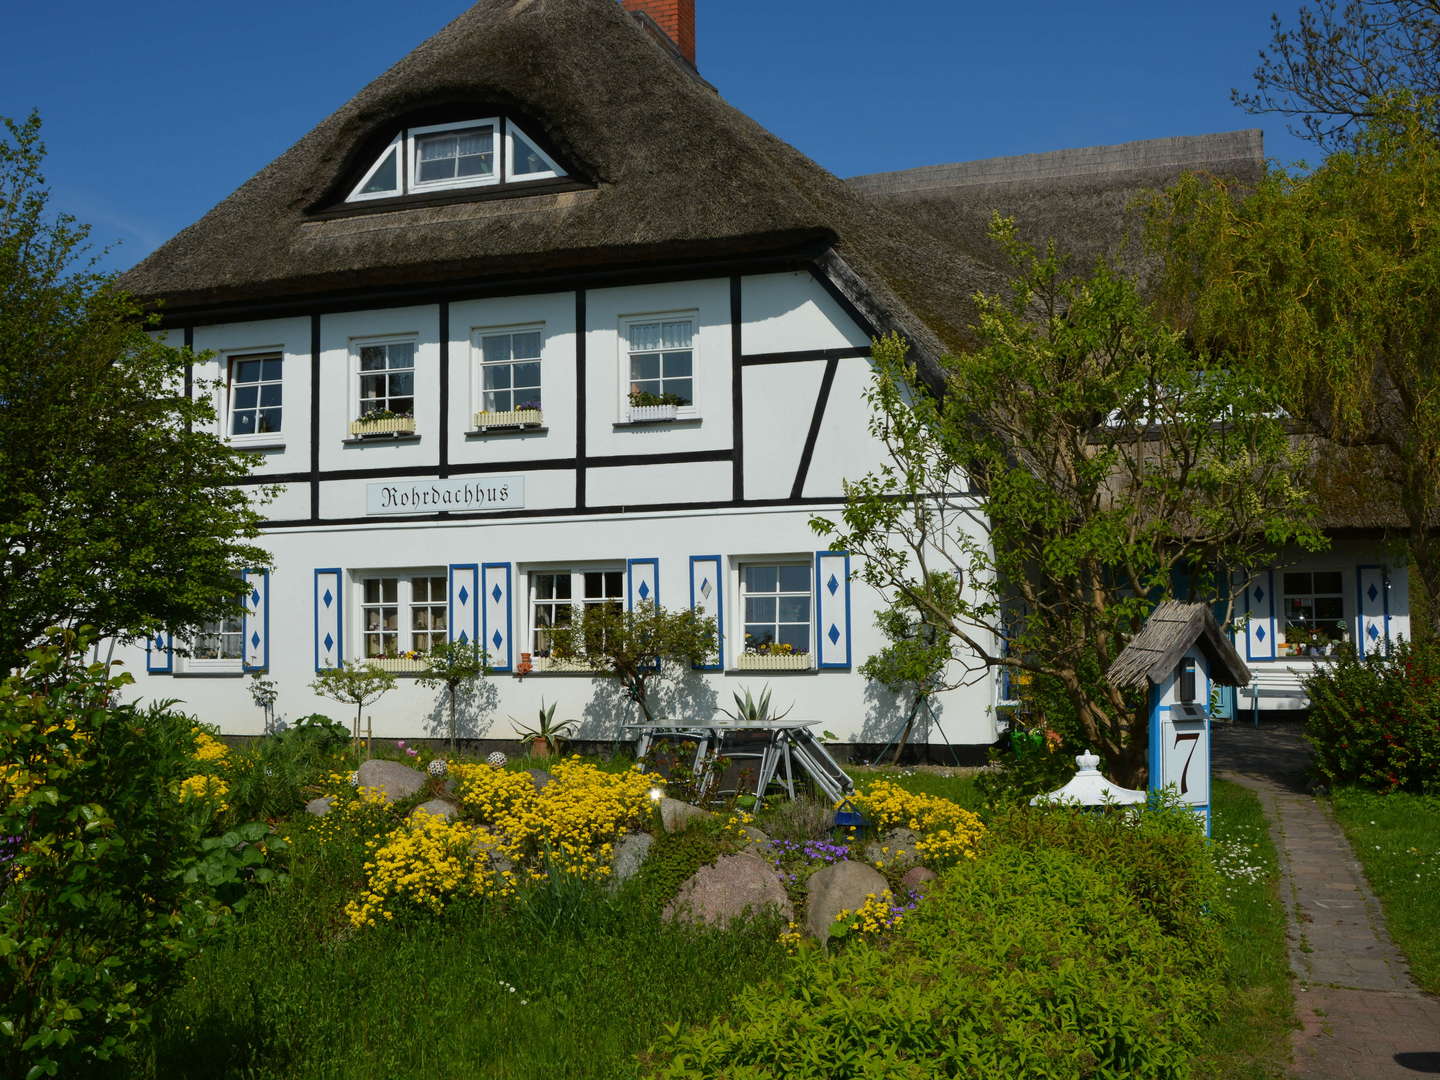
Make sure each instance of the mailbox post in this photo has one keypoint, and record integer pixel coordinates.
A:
(1178, 656)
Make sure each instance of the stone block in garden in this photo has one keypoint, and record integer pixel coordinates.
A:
(438, 807)
(842, 886)
(540, 776)
(918, 878)
(728, 889)
(319, 807)
(900, 840)
(676, 815)
(630, 854)
(394, 780)
(756, 839)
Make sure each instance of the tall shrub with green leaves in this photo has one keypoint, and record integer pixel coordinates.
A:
(1375, 721)
(95, 844)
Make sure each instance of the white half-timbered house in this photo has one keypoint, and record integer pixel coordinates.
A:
(537, 320)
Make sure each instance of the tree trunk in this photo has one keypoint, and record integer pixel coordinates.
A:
(909, 725)
(453, 751)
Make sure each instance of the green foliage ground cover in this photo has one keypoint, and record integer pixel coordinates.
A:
(1397, 840)
(948, 784)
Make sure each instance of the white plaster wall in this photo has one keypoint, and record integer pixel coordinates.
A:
(845, 448)
(291, 339)
(643, 485)
(607, 372)
(555, 314)
(779, 403)
(837, 700)
(339, 389)
(790, 312)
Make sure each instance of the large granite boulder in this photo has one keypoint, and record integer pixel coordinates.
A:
(630, 854)
(319, 807)
(918, 879)
(540, 777)
(842, 886)
(676, 815)
(731, 887)
(438, 807)
(395, 781)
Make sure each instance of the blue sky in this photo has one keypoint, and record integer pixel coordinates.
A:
(155, 112)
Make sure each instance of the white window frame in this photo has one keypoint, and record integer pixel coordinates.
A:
(398, 145)
(254, 438)
(551, 172)
(232, 665)
(415, 186)
(478, 365)
(692, 315)
(1283, 596)
(577, 572)
(738, 591)
(356, 344)
(405, 604)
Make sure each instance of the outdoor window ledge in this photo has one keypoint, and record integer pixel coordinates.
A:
(506, 429)
(258, 444)
(674, 421)
(400, 666)
(545, 666)
(208, 673)
(380, 440)
(776, 671)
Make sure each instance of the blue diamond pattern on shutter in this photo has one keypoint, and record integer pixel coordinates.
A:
(464, 612)
(497, 615)
(329, 618)
(707, 596)
(1373, 599)
(160, 654)
(255, 627)
(1260, 620)
(643, 582)
(832, 609)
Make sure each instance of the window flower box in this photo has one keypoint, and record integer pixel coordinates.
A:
(561, 663)
(653, 414)
(384, 425)
(509, 418)
(400, 665)
(756, 661)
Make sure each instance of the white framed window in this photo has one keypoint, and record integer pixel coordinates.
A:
(508, 369)
(556, 593)
(384, 379)
(777, 608)
(402, 613)
(1313, 607)
(218, 646)
(483, 152)
(658, 367)
(255, 396)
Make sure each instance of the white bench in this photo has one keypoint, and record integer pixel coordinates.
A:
(1276, 684)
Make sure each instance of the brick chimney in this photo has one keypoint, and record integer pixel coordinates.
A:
(675, 17)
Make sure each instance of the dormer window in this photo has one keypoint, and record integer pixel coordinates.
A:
(444, 157)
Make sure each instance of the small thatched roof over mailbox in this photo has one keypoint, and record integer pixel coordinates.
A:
(1171, 630)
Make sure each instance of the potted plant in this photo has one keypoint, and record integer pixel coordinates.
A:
(545, 737)
(383, 422)
(524, 414)
(408, 661)
(646, 407)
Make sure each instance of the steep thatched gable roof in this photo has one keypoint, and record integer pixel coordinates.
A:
(1082, 199)
(674, 173)
(1172, 628)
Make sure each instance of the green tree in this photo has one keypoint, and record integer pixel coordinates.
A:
(452, 665)
(641, 647)
(119, 509)
(1332, 68)
(1080, 461)
(352, 684)
(1332, 282)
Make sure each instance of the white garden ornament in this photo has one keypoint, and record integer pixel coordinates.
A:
(1089, 788)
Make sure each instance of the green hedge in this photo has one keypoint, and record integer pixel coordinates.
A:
(1036, 962)
(1375, 721)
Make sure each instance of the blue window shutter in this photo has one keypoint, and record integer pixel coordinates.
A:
(255, 624)
(1260, 626)
(832, 609)
(160, 653)
(707, 596)
(497, 625)
(465, 603)
(329, 619)
(642, 586)
(1372, 606)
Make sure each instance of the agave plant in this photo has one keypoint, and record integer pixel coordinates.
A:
(544, 737)
(752, 713)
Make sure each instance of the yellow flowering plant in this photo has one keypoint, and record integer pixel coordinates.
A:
(946, 831)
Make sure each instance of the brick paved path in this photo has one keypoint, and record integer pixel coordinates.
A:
(1361, 1017)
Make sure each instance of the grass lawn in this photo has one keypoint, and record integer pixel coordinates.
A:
(1397, 840)
(1251, 1038)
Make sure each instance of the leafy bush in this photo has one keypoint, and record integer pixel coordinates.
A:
(1375, 721)
(1159, 858)
(1033, 963)
(96, 913)
(268, 779)
(673, 858)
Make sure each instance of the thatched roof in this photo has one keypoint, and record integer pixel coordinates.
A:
(1082, 199)
(1171, 629)
(672, 173)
